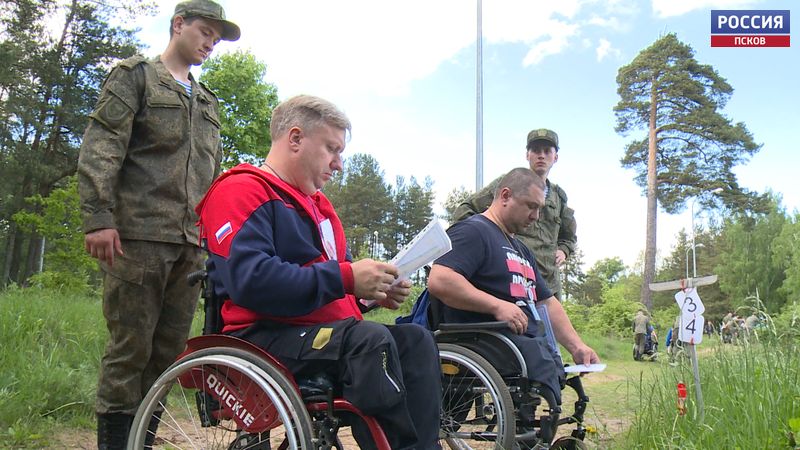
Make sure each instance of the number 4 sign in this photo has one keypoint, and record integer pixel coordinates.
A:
(692, 320)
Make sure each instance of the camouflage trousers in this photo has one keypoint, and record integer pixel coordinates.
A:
(148, 307)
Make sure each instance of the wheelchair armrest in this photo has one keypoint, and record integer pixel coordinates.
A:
(473, 326)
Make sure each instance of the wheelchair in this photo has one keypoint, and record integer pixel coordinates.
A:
(488, 400)
(226, 393)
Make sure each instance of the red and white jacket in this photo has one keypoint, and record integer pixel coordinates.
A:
(267, 242)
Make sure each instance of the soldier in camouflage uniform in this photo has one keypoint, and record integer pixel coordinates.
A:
(150, 152)
(552, 238)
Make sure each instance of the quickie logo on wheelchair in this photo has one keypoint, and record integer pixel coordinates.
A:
(233, 396)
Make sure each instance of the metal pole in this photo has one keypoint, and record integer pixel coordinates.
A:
(479, 106)
(698, 391)
(694, 251)
(687, 262)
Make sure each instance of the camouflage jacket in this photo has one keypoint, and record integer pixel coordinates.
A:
(149, 154)
(640, 323)
(554, 230)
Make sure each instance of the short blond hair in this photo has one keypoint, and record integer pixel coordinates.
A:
(309, 113)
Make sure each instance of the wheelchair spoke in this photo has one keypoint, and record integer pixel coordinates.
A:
(225, 399)
(477, 410)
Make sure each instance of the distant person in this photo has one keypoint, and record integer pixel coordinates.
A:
(709, 328)
(551, 238)
(489, 275)
(640, 327)
(750, 323)
(150, 152)
(673, 339)
(728, 317)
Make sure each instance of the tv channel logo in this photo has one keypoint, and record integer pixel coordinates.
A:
(750, 28)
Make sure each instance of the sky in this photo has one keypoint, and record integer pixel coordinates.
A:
(405, 74)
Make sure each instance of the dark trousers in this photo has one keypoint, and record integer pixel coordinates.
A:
(544, 365)
(389, 372)
(639, 340)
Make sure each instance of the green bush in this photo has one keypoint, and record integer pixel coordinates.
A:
(663, 319)
(614, 316)
(578, 315)
(787, 323)
(68, 268)
(63, 282)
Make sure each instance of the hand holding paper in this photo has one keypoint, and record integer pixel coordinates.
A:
(429, 244)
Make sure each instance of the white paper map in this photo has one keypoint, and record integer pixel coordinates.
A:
(429, 244)
(585, 368)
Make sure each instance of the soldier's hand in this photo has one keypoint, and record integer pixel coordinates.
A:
(560, 257)
(511, 313)
(396, 295)
(373, 279)
(103, 244)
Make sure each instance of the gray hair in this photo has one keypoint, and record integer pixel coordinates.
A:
(309, 113)
(519, 180)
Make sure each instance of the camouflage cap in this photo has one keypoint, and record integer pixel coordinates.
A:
(209, 10)
(543, 134)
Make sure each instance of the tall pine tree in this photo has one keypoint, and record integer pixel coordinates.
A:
(690, 147)
(49, 82)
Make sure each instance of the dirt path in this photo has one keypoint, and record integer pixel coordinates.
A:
(613, 395)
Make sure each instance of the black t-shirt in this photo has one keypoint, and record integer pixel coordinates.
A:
(494, 263)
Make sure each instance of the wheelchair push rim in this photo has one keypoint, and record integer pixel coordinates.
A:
(255, 405)
(477, 409)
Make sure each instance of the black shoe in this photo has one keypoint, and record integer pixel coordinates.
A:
(112, 431)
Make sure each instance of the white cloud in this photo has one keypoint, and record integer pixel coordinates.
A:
(332, 48)
(552, 46)
(604, 49)
(606, 22)
(671, 8)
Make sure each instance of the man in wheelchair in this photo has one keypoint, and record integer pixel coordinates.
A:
(491, 276)
(279, 258)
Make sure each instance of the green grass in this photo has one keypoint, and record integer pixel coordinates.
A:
(48, 366)
(751, 396)
(51, 349)
(52, 344)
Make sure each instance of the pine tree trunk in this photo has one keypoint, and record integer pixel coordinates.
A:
(32, 258)
(652, 204)
(10, 246)
(16, 255)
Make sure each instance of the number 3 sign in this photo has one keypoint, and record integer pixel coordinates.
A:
(692, 320)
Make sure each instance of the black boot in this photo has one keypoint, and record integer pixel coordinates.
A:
(112, 431)
(152, 427)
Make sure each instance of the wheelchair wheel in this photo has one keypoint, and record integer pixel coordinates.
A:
(222, 398)
(477, 408)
